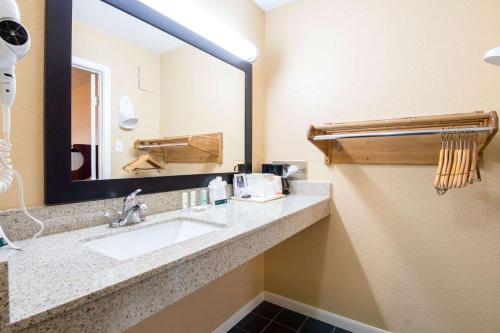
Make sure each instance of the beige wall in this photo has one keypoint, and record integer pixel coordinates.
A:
(394, 254)
(206, 309)
(124, 58)
(201, 94)
(80, 107)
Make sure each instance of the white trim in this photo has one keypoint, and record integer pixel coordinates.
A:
(307, 310)
(240, 314)
(105, 107)
(319, 314)
(93, 143)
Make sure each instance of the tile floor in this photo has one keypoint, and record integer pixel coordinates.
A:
(271, 318)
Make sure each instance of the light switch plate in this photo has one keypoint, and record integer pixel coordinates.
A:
(119, 146)
(302, 165)
(145, 78)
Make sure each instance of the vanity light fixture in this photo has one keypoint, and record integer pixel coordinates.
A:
(193, 17)
(493, 56)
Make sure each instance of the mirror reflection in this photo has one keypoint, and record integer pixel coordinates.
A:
(147, 104)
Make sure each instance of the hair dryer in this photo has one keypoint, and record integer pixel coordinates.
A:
(14, 44)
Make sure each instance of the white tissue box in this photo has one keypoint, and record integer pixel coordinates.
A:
(217, 191)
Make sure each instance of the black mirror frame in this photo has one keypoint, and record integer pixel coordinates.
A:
(58, 185)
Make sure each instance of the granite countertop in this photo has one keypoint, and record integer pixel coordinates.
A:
(57, 273)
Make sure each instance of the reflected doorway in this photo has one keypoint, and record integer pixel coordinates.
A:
(90, 118)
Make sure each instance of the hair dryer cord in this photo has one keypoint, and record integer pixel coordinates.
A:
(7, 173)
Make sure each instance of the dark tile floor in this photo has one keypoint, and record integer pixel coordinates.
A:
(270, 318)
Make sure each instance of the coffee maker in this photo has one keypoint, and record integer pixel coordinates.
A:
(278, 170)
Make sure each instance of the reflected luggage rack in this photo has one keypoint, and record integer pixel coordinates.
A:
(198, 148)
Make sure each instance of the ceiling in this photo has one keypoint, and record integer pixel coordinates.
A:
(268, 5)
(104, 17)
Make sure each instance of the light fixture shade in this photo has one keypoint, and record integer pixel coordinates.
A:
(195, 18)
(127, 119)
(493, 56)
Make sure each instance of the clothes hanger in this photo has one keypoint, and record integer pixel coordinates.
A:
(453, 171)
(449, 164)
(461, 162)
(465, 174)
(474, 171)
(144, 163)
(439, 170)
(446, 169)
(454, 158)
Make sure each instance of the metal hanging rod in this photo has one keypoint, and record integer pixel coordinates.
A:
(164, 145)
(402, 133)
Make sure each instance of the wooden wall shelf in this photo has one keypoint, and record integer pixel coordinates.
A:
(199, 148)
(410, 148)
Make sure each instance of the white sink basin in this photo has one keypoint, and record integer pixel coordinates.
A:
(134, 243)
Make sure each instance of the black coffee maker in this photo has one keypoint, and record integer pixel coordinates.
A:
(278, 170)
(242, 168)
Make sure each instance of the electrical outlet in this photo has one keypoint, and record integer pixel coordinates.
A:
(299, 175)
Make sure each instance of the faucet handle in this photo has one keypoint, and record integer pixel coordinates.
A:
(111, 214)
(143, 209)
(138, 213)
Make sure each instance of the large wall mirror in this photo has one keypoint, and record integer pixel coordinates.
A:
(134, 100)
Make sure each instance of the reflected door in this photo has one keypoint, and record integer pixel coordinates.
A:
(87, 120)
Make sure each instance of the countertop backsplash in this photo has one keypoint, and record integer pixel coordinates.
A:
(67, 217)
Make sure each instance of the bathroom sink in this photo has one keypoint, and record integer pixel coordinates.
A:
(137, 242)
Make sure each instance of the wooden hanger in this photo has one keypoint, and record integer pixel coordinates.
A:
(456, 174)
(144, 163)
(452, 164)
(466, 170)
(445, 173)
(474, 164)
(463, 160)
(459, 162)
(441, 165)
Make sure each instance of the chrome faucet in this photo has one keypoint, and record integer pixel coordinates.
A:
(132, 212)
